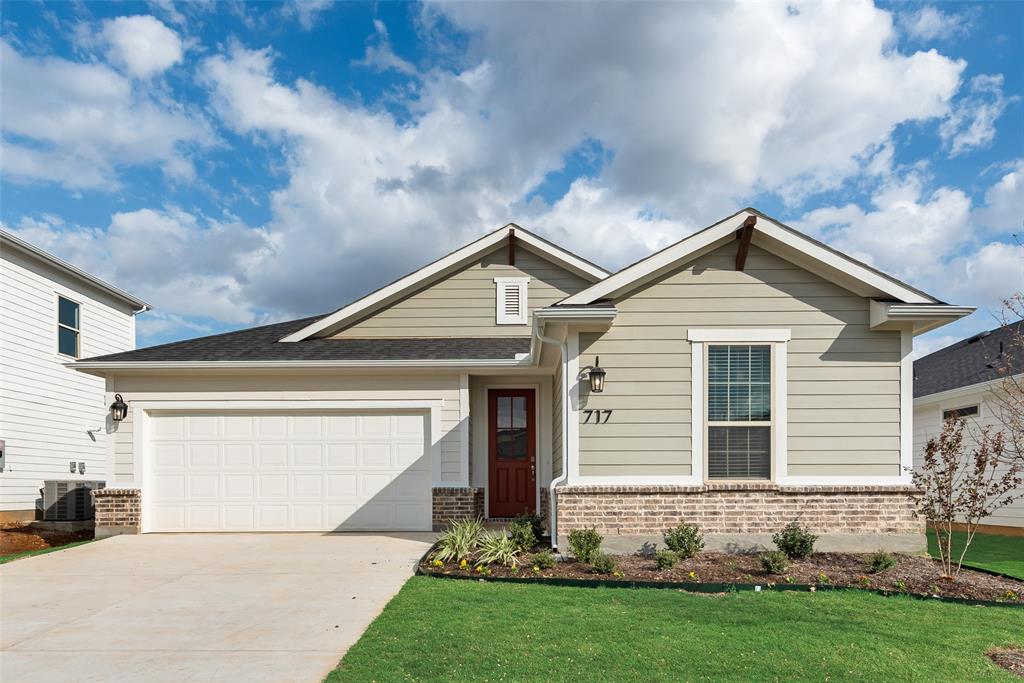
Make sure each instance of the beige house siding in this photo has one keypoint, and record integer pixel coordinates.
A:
(928, 424)
(843, 378)
(463, 304)
(323, 386)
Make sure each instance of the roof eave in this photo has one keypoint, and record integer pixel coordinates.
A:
(138, 305)
(919, 318)
(99, 367)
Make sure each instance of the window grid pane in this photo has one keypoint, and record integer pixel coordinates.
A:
(67, 312)
(67, 342)
(739, 390)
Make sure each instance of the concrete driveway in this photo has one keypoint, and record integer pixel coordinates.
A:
(197, 607)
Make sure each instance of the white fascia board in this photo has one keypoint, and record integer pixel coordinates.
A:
(666, 258)
(691, 247)
(563, 258)
(570, 314)
(87, 366)
(396, 289)
(400, 286)
(919, 318)
(961, 392)
(13, 241)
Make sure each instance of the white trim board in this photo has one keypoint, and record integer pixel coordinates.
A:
(871, 282)
(441, 267)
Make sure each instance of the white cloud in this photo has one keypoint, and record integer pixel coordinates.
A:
(928, 239)
(183, 264)
(380, 55)
(1003, 210)
(930, 23)
(972, 122)
(306, 11)
(82, 122)
(141, 44)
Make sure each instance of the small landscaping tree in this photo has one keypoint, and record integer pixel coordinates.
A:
(957, 487)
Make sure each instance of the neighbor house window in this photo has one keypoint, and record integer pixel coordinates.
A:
(68, 331)
(739, 414)
(957, 413)
(511, 300)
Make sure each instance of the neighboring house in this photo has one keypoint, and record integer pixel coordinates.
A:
(959, 381)
(51, 416)
(754, 377)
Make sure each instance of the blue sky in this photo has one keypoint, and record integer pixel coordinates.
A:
(237, 164)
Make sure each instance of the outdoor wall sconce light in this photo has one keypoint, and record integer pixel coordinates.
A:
(597, 374)
(118, 409)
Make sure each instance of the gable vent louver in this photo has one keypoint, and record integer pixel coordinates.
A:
(511, 307)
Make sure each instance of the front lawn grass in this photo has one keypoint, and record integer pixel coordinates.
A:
(1002, 554)
(446, 630)
(4, 559)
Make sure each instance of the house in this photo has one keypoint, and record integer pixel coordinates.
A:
(964, 380)
(751, 376)
(51, 417)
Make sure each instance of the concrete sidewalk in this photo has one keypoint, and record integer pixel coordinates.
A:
(197, 607)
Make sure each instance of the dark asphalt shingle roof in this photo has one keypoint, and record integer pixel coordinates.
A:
(983, 357)
(261, 343)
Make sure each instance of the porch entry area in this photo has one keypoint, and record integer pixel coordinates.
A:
(512, 452)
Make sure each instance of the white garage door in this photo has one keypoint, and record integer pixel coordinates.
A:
(288, 472)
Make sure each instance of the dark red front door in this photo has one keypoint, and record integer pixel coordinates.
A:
(512, 460)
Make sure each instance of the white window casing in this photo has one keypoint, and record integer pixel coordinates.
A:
(778, 340)
(511, 300)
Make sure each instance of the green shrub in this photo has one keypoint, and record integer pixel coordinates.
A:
(544, 560)
(796, 541)
(460, 540)
(522, 534)
(879, 561)
(498, 548)
(584, 544)
(603, 563)
(774, 562)
(535, 521)
(665, 559)
(685, 540)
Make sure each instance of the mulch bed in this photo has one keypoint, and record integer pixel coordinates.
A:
(912, 574)
(1011, 660)
(21, 538)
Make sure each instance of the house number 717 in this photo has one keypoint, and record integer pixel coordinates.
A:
(600, 417)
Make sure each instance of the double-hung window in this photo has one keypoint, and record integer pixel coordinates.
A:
(68, 327)
(739, 411)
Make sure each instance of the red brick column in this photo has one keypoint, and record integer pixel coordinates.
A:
(456, 503)
(118, 511)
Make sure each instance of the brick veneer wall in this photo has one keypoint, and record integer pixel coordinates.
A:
(457, 503)
(737, 509)
(118, 511)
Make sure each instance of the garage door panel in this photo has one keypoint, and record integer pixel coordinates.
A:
(203, 455)
(273, 485)
(272, 455)
(169, 455)
(239, 456)
(342, 455)
(272, 426)
(285, 471)
(308, 455)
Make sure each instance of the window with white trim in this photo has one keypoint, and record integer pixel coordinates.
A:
(68, 330)
(960, 413)
(511, 300)
(739, 411)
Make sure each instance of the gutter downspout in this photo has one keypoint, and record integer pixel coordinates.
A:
(565, 430)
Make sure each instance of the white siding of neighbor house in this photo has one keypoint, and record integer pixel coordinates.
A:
(268, 386)
(843, 378)
(46, 408)
(928, 424)
(463, 303)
